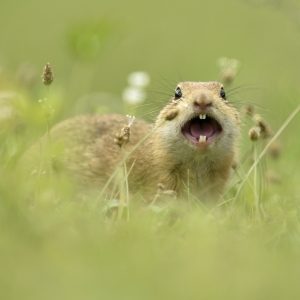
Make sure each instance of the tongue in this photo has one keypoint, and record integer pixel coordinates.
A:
(201, 128)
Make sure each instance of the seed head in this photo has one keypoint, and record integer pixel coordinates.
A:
(47, 76)
(249, 110)
(275, 149)
(122, 138)
(254, 133)
(229, 69)
(273, 177)
(228, 76)
(266, 130)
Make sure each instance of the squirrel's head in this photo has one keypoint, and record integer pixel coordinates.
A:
(199, 117)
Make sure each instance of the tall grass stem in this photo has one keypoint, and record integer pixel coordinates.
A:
(283, 126)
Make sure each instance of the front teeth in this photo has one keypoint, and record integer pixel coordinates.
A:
(202, 139)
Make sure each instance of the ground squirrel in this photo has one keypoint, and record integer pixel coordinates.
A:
(193, 145)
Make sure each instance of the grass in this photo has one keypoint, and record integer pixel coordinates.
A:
(62, 248)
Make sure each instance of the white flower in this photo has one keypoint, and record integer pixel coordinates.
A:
(138, 79)
(133, 95)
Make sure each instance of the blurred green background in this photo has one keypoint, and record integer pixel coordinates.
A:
(64, 249)
(94, 45)
(177, 40)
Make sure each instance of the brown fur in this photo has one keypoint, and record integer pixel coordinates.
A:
(84, 147)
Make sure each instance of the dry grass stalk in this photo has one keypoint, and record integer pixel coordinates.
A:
(263, 152)
(121, 139)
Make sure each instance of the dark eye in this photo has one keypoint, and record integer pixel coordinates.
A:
(222, 93)
(178, 93)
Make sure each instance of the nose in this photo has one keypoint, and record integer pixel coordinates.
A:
(202, 103)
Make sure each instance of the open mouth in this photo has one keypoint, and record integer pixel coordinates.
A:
(202, 130)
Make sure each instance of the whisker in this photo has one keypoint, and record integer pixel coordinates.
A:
(161, 93)
(152, 111)
(148, 103)
(172, 85)
(243, 89)
(241, 86)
